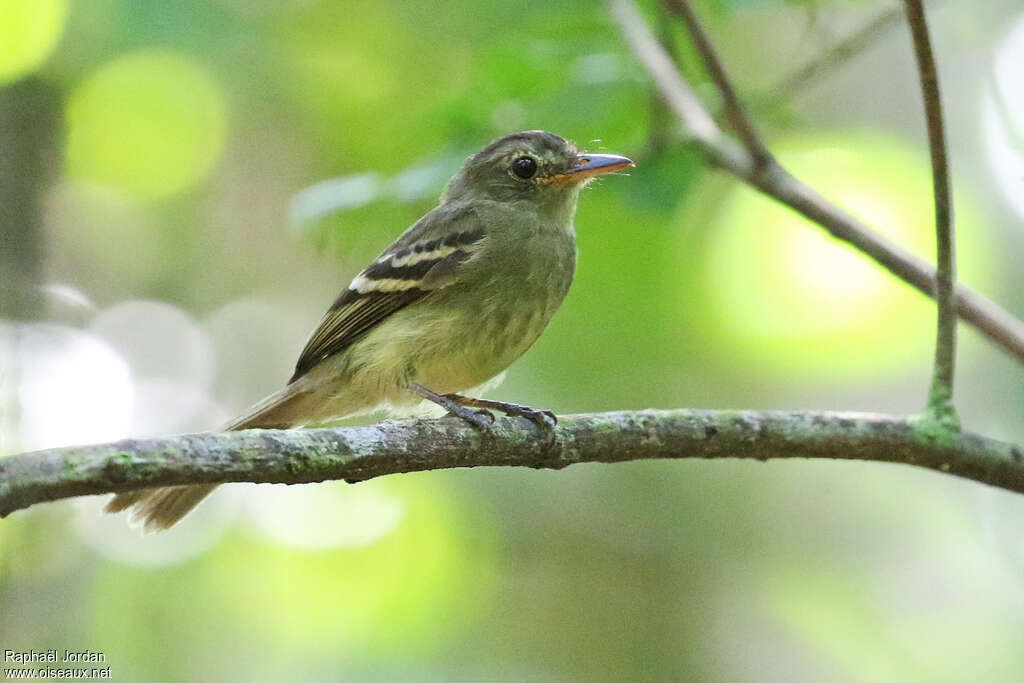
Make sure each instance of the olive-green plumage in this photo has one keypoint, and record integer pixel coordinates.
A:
(450, 304)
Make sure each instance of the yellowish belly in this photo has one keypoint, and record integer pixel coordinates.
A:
(446, 354)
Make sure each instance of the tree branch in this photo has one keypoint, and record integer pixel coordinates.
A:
(359, 453)
(940, 396)
(303, 456)
(987, 317)
(733, 109)
(679, 96)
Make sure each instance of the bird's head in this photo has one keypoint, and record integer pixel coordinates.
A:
(534, 166)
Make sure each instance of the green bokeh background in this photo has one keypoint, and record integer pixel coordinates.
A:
(188, 169)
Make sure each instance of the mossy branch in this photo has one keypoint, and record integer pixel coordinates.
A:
(940, 396)
(360, 453)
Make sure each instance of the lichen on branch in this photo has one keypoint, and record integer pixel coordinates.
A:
(360, 453)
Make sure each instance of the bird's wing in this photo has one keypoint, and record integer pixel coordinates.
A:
(427, 257)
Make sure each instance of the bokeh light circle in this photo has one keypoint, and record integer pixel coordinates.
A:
(29, 30)
(369, 588)
(172, 364)
(273, 332)
(409, 584)
(794, 301)
(71, 386)
(158, 340)
(329, 516)
(150, 123)
(119, 538)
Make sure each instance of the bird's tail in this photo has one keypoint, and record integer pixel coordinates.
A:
(161, 508)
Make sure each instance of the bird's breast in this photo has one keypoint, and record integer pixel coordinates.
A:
(494, 316)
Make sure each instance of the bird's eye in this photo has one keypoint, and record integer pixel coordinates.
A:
(524, 167)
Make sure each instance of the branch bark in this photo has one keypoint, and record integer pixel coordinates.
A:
(990, 319)
(360, 453)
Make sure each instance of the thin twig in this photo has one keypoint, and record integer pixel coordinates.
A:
(990, 319)
(940, 396)
(733, 109)
(836, 55)
(679, 96)
(359, 453)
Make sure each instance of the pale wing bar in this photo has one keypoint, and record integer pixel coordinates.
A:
(395, 280)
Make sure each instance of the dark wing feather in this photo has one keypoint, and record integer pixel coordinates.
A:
(342, 327)
(451, 234)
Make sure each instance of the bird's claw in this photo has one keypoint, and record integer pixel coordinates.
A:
(544, 419)
(486, 417)
(481, 418)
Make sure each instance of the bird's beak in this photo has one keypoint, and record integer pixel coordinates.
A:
(590, 166)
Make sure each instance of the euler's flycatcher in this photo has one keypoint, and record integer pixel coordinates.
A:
(450, 304)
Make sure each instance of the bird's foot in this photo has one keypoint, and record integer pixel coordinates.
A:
(477, 411)
(481, 418)
(544, 419)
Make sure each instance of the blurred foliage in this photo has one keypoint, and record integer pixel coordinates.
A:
(228, 165)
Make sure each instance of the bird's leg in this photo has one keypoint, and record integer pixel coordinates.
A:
(542, 418)
(480, 418)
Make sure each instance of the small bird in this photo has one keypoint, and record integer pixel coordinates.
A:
(451, 303)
